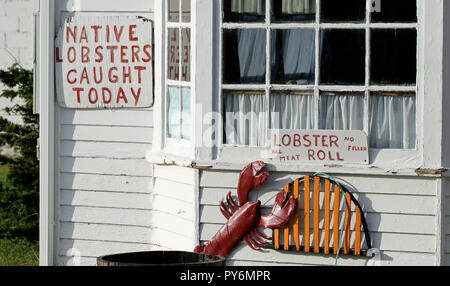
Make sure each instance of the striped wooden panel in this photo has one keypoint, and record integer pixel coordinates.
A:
(336, 216)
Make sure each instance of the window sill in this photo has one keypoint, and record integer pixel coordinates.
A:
(405, 163)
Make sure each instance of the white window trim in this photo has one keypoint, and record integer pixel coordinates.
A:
(428, 154)
(166, 150)
(378, 157)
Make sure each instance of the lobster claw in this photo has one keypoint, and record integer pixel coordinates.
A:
(282, 211)
(252, 176)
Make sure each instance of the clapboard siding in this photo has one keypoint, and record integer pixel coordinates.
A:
(244, 256)
(107, 133)
(105, 182)
(121, 118)
(401, 215)
(175, 200)
(110, 150)
(106, 166)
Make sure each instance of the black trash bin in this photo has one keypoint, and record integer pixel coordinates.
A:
(161, 258)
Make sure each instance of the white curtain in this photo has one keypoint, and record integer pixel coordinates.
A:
(393, 122)
(245, 119)
(179, 112)
(174, 112)
(341, 112)
(288, 6)
(252, 54)
(248, 6)
(292, 112)
(298, 6)
(186, 113)
(298, 55)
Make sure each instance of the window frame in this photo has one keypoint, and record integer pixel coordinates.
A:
(377, 156)
(173, 142)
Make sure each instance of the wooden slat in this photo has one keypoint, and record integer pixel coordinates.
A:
(286, 227)
(347, 225)
(336, 219)
(296, 222)
(306, 212)
(276, 238)
(358, 232)
(316, 214)
(327, 217)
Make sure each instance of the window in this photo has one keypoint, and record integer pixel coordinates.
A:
(178, 67)
(319, 64)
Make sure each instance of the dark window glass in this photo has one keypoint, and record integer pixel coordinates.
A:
(293, 56)
(343, 56)
(244, 10)
(394, 11)
(244, 56)
(293, 10)
(393, 56)
(343, 10)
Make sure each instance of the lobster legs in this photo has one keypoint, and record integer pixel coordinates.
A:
(254, 238)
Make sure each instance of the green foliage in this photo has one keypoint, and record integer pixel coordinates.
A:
(19, 196)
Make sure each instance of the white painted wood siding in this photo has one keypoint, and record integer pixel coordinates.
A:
(104, 200)
(105, 183)
(400, 212)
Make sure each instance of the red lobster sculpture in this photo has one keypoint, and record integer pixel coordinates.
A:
(244, 219)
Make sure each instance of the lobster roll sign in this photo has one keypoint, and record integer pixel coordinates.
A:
(104, 62)
(319, 146)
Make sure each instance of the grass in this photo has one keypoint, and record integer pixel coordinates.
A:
(18, 252)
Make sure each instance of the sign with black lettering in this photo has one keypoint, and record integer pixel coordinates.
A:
(104, 62)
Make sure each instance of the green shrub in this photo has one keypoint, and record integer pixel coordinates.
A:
(19, 196)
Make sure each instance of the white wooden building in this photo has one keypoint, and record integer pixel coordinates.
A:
(128, 179)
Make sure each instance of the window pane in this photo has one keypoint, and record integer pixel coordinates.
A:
(293, 10)
(292, 110)
(394, 11)
(174, 10)
(173, 69)
(343, 56)
(186, 54)
(244, 10)
(186, 113)
(174, 112)
(393, 56)
(341, 111)
(293, 56)
(186, 9)
(343, 10)
(244, 56)
(245, 118)
(392, 121)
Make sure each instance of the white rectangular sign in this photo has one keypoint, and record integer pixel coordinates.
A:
(319, 146)
(104, 62)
